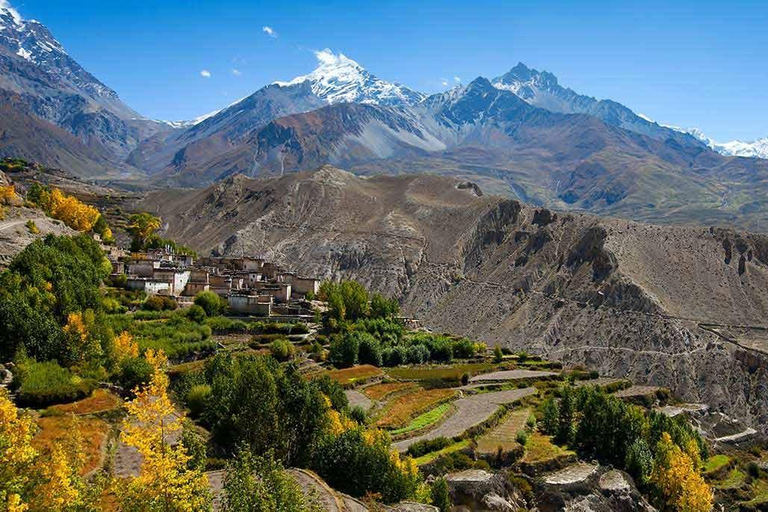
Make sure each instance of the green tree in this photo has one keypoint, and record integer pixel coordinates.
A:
(370, 349)
(45, 283)
(142, 226)
(498, 355)
(355, 298)
(260, 484)
(441, 497)
(211, 303)
(384, 308)
(639, 461)
(345, 350)
(567, 413)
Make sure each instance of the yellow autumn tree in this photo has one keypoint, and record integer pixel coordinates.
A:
(142, 226)
(33, 480)
(125, 347)
(71, 211)
(16, 453)
(165, 482)
(81, 344)
(7, 194)
(59, 485)
(675, 476)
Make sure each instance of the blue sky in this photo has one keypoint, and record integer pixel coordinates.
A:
(700, 63)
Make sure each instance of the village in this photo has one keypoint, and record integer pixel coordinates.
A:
(251, 286)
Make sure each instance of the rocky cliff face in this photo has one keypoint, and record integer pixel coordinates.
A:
(670, 306)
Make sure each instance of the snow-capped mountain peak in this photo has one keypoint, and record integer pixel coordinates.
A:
(339, 79)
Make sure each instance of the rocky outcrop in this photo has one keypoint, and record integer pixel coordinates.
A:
(478, 490)
(586, 487)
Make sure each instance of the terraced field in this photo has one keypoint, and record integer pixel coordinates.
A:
(356, 375)
(470, 411)
(508, 375)
(403, 408)
(504, 436)
(382, 391)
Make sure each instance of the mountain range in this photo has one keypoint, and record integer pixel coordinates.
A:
(520, 134)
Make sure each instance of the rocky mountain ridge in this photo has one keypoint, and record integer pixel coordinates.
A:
(630, 300)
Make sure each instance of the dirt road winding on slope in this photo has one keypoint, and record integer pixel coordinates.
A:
(470, 411)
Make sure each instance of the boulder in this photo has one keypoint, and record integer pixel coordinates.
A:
(479, 490)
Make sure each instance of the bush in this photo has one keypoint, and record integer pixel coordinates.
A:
(134, 372)
(464, 379)
(521, 437)
(159, 303)
(498, 355)
(395, 356)
(463, 348)
(282, 349)
(441, 497)
(196, 314)
(46, 383)
(197, 398)
(224, 325)
(425, 446)
(211, 303)
(417, 354)
(358, 414)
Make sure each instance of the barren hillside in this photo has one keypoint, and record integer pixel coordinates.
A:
(675, 306)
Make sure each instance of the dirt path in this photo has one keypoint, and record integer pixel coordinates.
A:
(470, 411)
(512, 375)
(357, 399)
(313, 485)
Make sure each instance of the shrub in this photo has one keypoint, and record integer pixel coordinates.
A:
(159, 303)
(464, 379)
(395, 356)
(463, 348)
(134, 372)
(521, 437)
(197, 398)
(498, 355)
(417, 354)
(358, 414)
(441, 497)
(211, 303)
(32, 227)
(282, 349)
(425, 446)
(46, 383)
(196, 314)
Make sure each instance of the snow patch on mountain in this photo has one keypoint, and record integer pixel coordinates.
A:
(754, 149)
(339, 79)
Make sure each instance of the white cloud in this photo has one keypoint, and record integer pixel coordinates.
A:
(5, 4)
(328, 58)
(269, 31)
(457, 79)
(444, 83)
(236, 72)
(205, 73)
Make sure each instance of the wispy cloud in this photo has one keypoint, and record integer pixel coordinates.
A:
(205, 73)
(457, 79)
(5, 4)
(444, 82)
(236, 72)
(267, 30)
